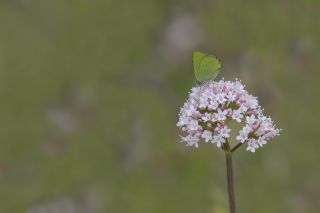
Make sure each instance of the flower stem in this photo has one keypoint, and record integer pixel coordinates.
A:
(232, 201)
(236, 147)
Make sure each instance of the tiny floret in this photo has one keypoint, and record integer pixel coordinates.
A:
(213, 105)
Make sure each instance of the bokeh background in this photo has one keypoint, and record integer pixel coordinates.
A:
(90, 92)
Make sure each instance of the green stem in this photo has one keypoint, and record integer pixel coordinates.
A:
(232, 200)
(236, 147)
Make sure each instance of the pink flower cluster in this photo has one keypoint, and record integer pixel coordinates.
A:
(211, 106)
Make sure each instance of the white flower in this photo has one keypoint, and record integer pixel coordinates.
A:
(203, 102)
(252, 102)
(243, 134)
(261, 141)
(237, 86)
(195, 90)
(206, 117)
(221, 115)
(213, 105)
(250, 119)
(224, 132)
(206, 135)
(191, 140)
(193, 125)
(231, 96)
(271, 134)
(237, 115)
(182, 121)
(210, 106)
(242, 137)
(243, 109)
(252, 145)
(190, 111)
(220, 97)
(218, 139)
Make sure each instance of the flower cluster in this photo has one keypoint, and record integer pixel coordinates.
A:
(212, 105)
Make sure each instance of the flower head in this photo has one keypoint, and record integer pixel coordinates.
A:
(211, 106)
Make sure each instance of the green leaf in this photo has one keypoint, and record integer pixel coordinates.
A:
(206, 67)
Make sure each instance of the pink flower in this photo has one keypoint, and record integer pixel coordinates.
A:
(224, 132)
(212, 105)
(221, 115)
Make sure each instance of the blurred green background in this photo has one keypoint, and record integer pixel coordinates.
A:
(90, 94)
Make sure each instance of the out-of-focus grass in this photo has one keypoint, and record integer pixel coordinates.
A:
(84, 106)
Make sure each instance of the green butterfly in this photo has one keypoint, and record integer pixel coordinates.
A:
(206, 67)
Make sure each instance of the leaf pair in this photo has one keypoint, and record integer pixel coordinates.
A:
(206, 67)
